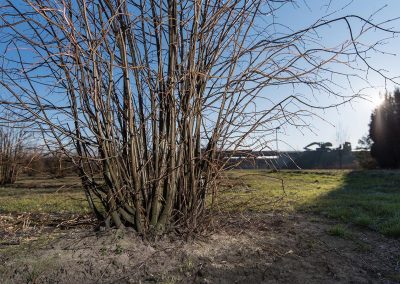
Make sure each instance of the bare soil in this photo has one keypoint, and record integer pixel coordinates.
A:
(245, 248)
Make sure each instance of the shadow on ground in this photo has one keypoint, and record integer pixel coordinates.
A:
(369, 199)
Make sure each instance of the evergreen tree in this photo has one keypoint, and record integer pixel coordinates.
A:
(385, 131)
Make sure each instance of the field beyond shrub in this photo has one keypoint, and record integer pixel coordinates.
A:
(369, 199)
(366, 198)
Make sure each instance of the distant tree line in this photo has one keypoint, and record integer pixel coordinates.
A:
(363, 154)
(11, 153)
(48, 164)
(18, 156)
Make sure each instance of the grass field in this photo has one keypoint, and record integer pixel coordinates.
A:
(43, 195)
(368, 199)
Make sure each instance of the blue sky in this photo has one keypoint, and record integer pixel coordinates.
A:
(348, 122)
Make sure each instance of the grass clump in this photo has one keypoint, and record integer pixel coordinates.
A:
(339, 230)
(391, 227)
(363, 220)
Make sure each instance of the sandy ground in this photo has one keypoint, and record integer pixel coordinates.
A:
(249, 248)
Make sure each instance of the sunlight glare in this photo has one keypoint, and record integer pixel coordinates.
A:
(376, 99)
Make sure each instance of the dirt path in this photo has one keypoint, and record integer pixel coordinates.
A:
(251, 248)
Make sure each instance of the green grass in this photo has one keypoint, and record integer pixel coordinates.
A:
(368, 199)
(55, 196)
(339, 230)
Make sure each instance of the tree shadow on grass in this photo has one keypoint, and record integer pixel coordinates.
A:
(366, 198)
